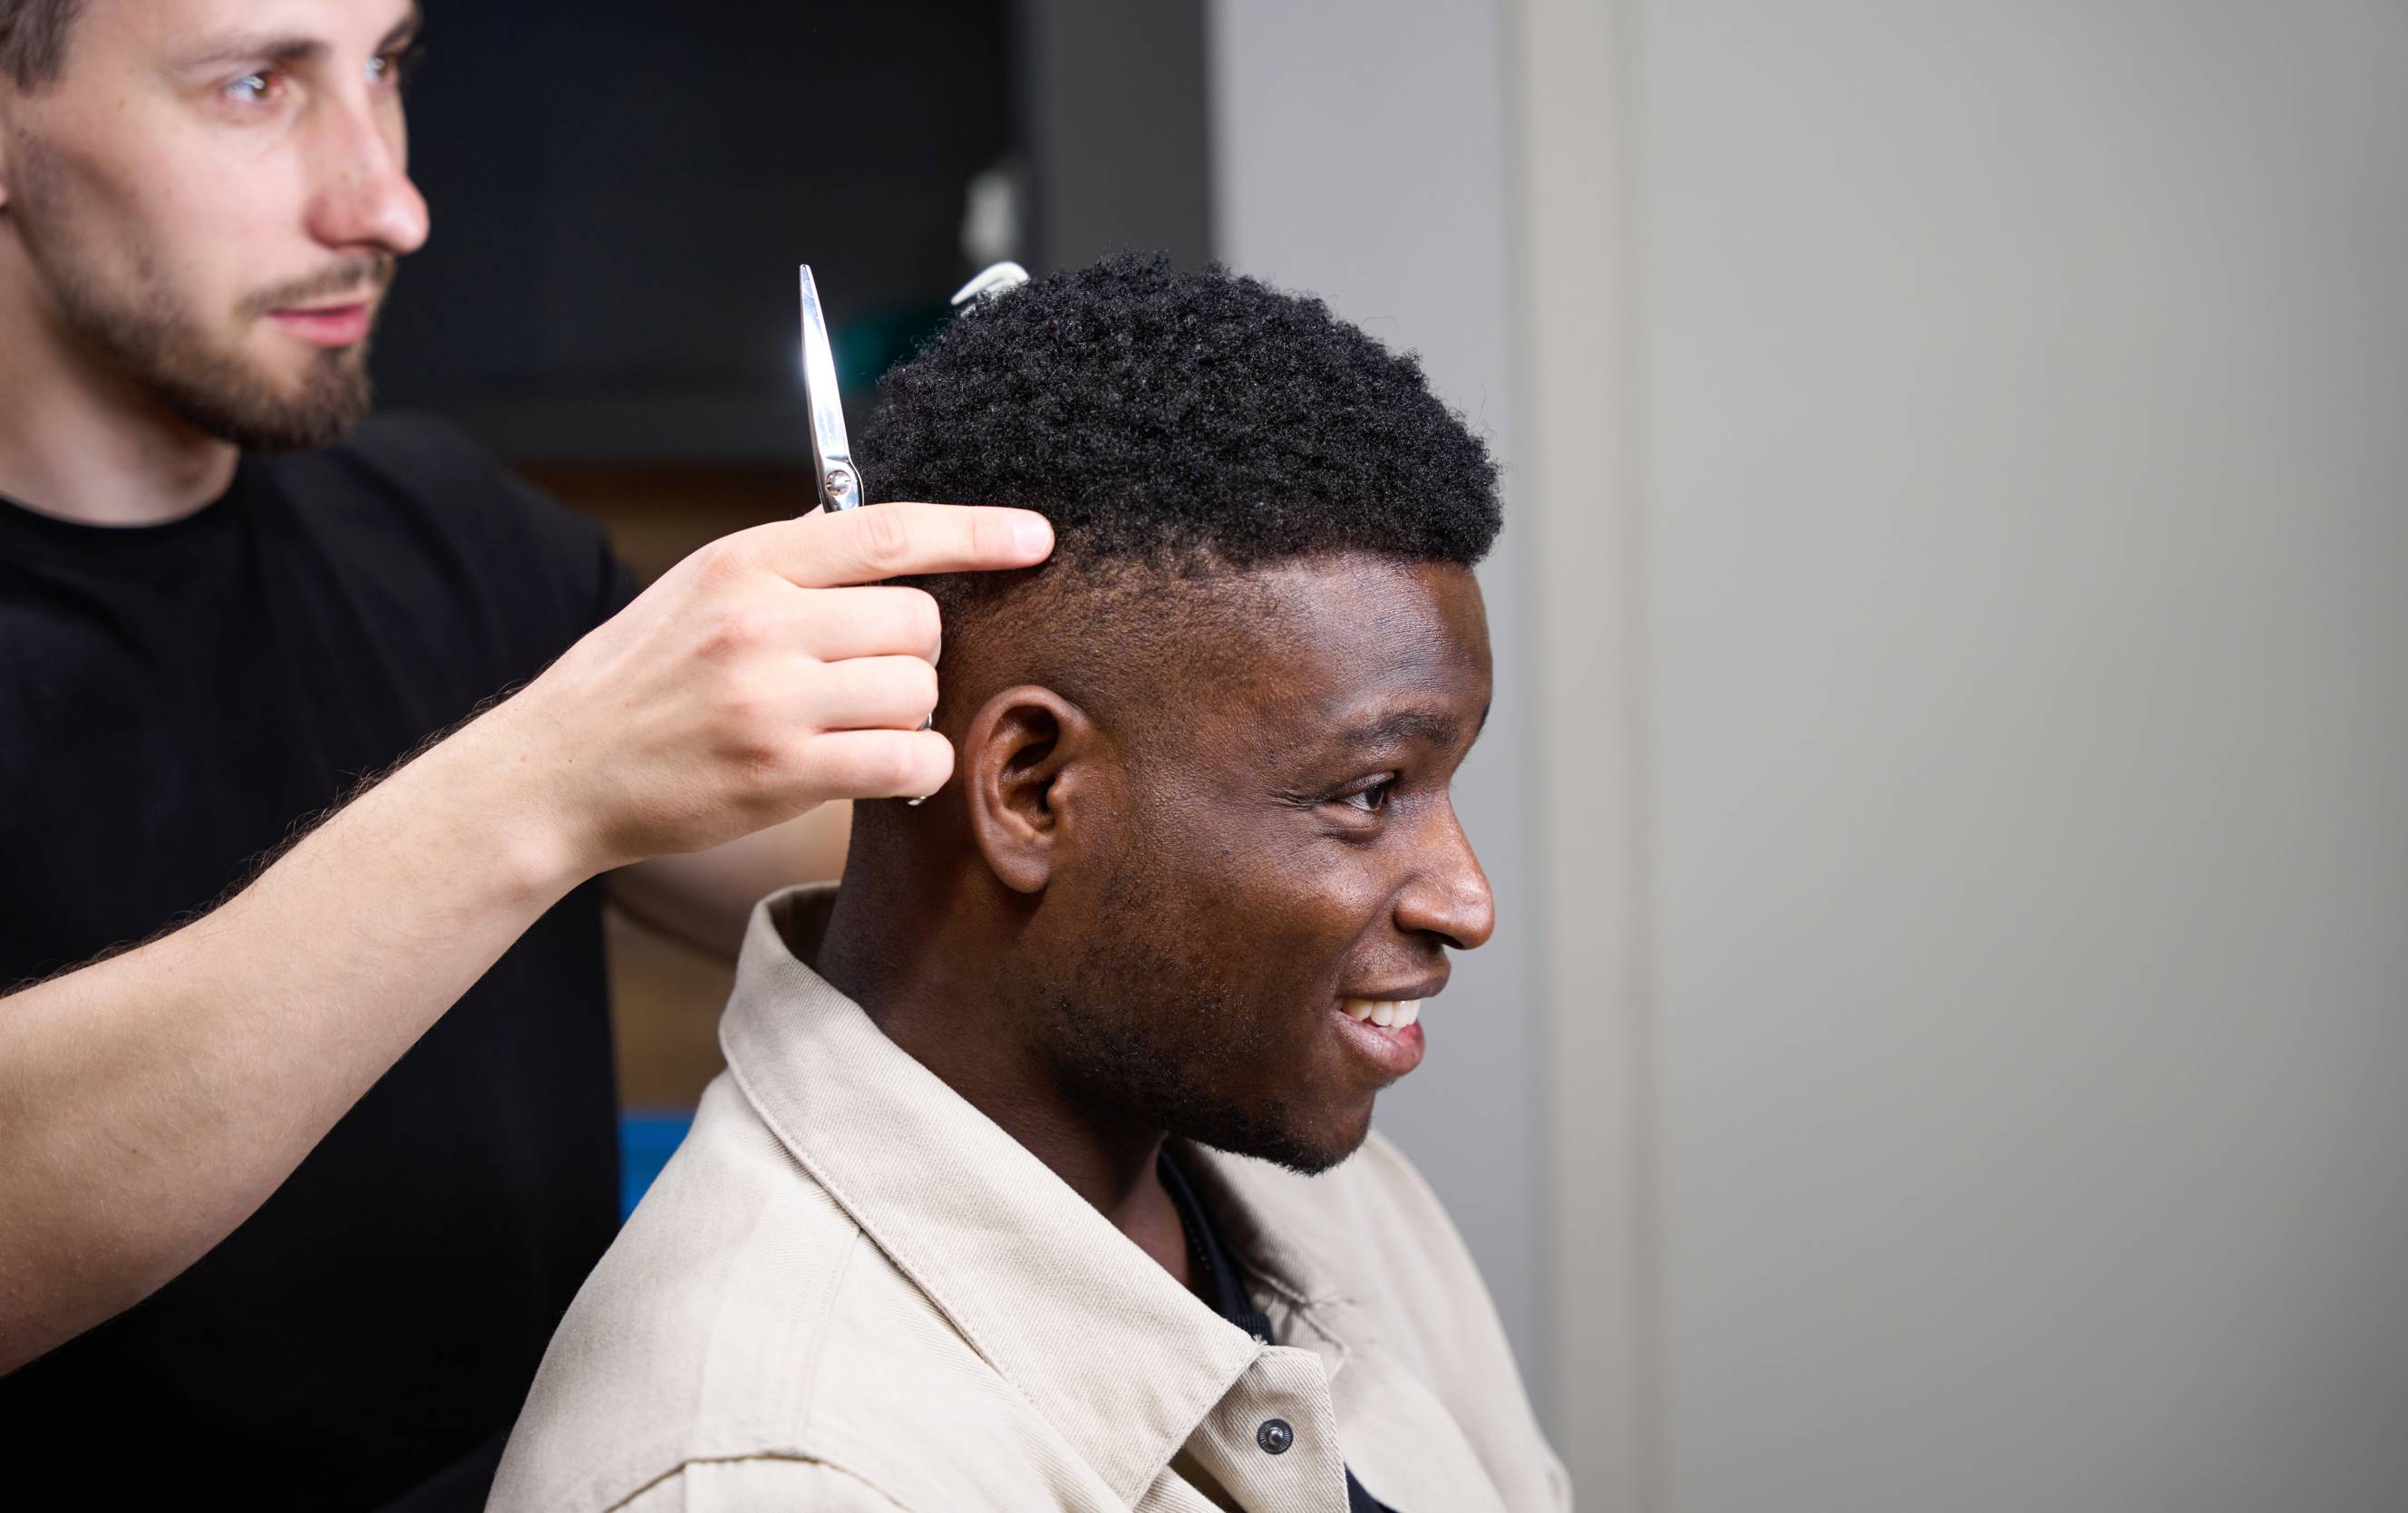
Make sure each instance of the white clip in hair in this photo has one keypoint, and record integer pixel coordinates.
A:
(992, 280)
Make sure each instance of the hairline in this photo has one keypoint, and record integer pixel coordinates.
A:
(33, 40)
(1029, 626)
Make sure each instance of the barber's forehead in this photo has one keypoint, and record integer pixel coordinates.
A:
(174, 22)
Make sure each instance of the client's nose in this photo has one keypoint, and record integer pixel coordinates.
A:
(1448, 895)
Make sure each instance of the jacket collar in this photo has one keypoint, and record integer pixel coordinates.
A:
(1106, 1346)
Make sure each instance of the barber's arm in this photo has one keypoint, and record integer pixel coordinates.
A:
(152, 1100)
(706, 898)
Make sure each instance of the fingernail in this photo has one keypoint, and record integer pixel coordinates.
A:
(1033, 535)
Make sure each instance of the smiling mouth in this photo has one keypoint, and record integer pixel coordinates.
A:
(1387, 1013)
(1384, 1032)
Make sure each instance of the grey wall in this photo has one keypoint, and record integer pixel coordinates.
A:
(1114, 116)
(1358, 154)
(1992, 423)
(2023, 479)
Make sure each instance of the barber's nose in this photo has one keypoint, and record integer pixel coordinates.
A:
(1449, 897)
(366, 198)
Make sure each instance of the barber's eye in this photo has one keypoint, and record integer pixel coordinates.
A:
(254, 89)
(396, 66)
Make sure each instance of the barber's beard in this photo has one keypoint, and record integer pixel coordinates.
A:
(144, 330)
(156, 343)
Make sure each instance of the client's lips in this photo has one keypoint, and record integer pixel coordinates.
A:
(328, 325)
(1386, 1029)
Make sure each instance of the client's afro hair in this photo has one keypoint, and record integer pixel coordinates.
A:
(1183, 419)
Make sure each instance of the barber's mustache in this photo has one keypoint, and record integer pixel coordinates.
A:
(365, 275)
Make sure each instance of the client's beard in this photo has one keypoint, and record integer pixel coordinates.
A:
(160, 348)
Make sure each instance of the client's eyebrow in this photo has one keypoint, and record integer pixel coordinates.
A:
(1407, 725)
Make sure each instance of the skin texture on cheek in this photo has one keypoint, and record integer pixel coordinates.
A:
(158, 244)
(1180, 1006)
(143, 326)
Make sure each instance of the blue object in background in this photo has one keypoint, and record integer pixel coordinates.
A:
(647, 1139)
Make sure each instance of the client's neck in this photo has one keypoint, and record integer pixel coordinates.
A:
(923, 945)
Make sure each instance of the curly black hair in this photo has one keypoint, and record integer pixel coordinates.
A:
(1183, 419)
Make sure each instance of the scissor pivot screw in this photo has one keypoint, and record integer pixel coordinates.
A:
(841, 483)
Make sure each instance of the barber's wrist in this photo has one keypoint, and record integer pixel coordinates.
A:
(515, 804)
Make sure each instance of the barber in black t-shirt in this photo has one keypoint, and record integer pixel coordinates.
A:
(292, 1195)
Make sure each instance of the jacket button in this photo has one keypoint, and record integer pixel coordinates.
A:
(1275, 1436)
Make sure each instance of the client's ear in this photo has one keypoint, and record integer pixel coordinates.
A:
(1028, 760)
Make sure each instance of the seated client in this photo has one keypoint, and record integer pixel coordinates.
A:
(1041, 1174)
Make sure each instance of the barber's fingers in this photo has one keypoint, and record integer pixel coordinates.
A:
(881, 764)
(875, 621)
(901, 540)
(873, 692)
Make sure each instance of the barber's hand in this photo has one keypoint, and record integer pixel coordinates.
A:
(755, 681)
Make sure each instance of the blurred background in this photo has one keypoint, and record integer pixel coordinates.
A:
(1946, 1042)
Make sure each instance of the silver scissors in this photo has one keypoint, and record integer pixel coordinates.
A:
(839, 482)
(839, 475)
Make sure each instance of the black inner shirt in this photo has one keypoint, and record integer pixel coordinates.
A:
(1219, 1284)
(174, 700)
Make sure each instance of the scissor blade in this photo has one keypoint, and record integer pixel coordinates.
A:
(839, 482)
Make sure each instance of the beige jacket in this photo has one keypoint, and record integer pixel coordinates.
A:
(850, 1290)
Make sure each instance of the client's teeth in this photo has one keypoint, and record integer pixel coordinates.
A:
(1389, 1013)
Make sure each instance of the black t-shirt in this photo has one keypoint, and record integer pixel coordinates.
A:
(174, 699)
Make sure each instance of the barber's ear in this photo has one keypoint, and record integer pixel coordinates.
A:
(9, 102)
(1029, 764)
